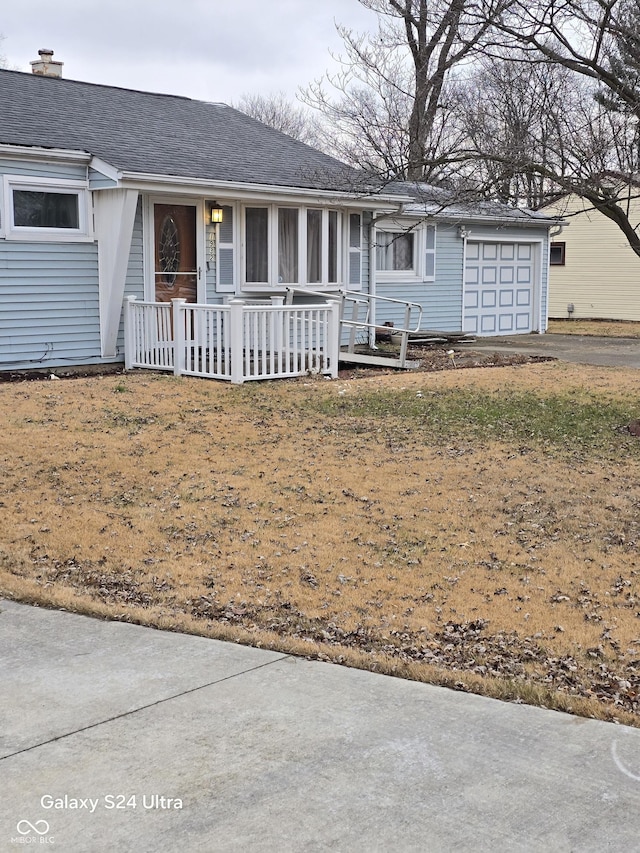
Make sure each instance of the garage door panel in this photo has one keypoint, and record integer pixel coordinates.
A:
(470, 325)
(506, 324)
(499, 288)
(488, 324)
(471, 299)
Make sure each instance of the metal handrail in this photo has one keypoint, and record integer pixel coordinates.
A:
(364, 299)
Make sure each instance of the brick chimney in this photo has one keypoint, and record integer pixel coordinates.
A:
(46, 66)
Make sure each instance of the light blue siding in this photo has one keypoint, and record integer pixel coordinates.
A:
(441, 300)
(211, 272)
(98, 181)
(366, 246)
(48, 304)
(35, 169)
(48, 291)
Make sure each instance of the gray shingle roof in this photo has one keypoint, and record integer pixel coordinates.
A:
(159, 134)
(436, 201)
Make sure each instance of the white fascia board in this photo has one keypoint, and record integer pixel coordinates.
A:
(239, 191)
(105, 169)
(29, 152)
(533, 222)
(455, 217)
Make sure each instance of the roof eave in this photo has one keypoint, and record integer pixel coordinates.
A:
(445, 214)
(232, 190)
(34, 152)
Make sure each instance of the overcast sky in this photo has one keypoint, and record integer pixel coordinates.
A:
(213, 50)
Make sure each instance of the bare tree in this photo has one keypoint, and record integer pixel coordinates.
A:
(387, 106)
(279, 112)
(597, 40)
(520, 120)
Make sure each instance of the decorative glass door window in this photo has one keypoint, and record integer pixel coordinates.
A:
(175, 252)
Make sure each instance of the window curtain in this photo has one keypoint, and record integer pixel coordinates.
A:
(394, 251)
(333, 246)
(257, 252)
(287, 245)
(314, 246)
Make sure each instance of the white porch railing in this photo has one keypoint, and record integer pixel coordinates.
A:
(237, 342)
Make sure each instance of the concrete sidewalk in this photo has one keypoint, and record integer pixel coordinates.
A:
(117, 737)
(579, 349)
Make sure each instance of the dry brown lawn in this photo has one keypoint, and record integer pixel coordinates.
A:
(602, 328)
(505, 567)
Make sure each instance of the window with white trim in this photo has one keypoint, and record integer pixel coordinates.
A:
(291, 245)
(50, 210)
(406, 251)
(395, 251)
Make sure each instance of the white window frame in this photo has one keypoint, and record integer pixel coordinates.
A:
(272, 237)
(84, 231)
(419, 270)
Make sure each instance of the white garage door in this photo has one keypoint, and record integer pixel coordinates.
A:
(499, 288)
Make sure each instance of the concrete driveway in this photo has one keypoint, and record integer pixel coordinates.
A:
(580, 349)
(118, 737)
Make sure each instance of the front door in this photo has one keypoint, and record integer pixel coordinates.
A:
(175, 270)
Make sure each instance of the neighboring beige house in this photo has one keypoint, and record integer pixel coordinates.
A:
(592, 267)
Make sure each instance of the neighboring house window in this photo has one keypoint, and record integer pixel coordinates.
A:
(406, 252)
(557, 254)
(37, 209)
(288, 245)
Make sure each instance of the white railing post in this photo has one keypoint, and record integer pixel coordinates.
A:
(129, 332)
(333, 338)
(179, 337)
(278, 334)
(236, 341)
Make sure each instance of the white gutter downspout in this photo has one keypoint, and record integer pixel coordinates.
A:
(372, 284)
(554, 231)
(464, 234)
(372, 272)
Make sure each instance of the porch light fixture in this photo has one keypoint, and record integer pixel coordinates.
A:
(215, 212)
